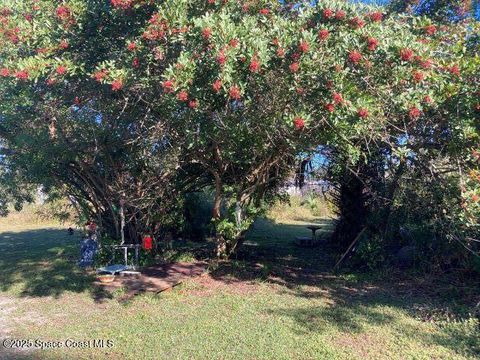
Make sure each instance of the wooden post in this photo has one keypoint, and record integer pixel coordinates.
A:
(349, 248)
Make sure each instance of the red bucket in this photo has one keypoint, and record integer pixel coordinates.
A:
(147, 243)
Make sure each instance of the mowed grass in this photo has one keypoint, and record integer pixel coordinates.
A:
(274, 301)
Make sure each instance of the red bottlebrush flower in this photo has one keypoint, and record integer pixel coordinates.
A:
(100, 75)
(63, 12)
(372, 44)
(117, 84)
(168, 86)
(275, 42)
(22, 75)
(406, 54)
(131, 46)
(122, 4)
(192, 104)
(61, 70)
(299, 123)
(182, 96)
(211, 2)
(303, 46)
(363, 113)
(355, 57)
(328, 13)
(294, 67)
(234, 92)
(475, 198)
(233, 43)
(295, 56)
(76, 100)
(217, 85)
(340, 15)
(414, 113)
(323, 34)
(206, 33)
(330, 107)
(254, 65)
(376, 16)
(264, 11)
(357, 23)
(280, 52)
(427, 99)
(28, 17)
(418, 76)
(135, 62)
(4, 72)
(221, 58)
(63, 44)
(299, 91)
(51, 81)
(430, 29)
(337, 98)
(454, 70)
(426, 64)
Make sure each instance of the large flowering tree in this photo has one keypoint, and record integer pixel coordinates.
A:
(210, 93)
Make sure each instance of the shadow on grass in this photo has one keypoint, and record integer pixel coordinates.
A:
(353, 302)
(40, 263)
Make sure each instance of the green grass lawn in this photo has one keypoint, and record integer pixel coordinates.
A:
(275, 301)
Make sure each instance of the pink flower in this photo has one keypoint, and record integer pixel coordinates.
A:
(323, 34)
(254, 65)
(454, 70)
(135, 62)
(61, 70)
(355, 57)
(406, 54)
(206, 33)
(340, 15)
(234, 92)
(168, 86)
(362, 113)
(337, 98)
(299, 123)
(4, 72)
(217, 85)
(357, 23)
(264, 11)
(63, 12)
(304, 46)
(280, 52)
(418, 76)
(63, 44)
(372, 44)
(22, 75)
(427, 99)
(131, 46)
(376, 16)
(430, 29)
(182, 96)
(117, 84)
(221, 58)
(427, 64)
(330, 107)
(233, 43)
(100, 75)
(192, 104)
(414, 113)
(294, 67)
(328, 13)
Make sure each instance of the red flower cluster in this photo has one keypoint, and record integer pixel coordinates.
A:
(340, 15)
(280, 52)
(323, 34)
(100, 75)
(168, 86)
(182, 96)
(328, 13)
(117, 84)
(63, 44)
(454, 70)
(406, 54)
(376, 16)
(234, 92)
(233, 43)
(4, 72)
(294, 67)
(131, 46)
(337, 98)
(206, 33)
(22, 75)
(61, 70)
(363, 113)
(254, 65)
(430, 29)
(330, 107)
(299, 123)
(303, 46)
(63, 12)
(355, 57)
(372, 44)
(426, 64)
(217, 85)
(418, 76)
(427, 99)
(357, 23)
(122, 4)
(264, 11)
(192, 104)
(135, 62)
(414, 113)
